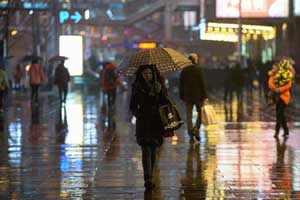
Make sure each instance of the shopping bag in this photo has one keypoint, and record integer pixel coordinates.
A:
(209, 116)
(170, 117)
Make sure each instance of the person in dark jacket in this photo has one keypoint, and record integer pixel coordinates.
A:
(62, 77)
(148, 92)
(193, 92)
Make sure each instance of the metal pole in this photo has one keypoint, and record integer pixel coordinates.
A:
(239, 33)
(6, 38)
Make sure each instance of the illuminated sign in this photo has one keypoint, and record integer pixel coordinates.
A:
(297, 7)
(73, 17)
(228, 32)
(35, 5)
(252, 8)
(71, 46)
(147, 45)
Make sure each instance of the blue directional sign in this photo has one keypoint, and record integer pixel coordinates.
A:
(70, 17)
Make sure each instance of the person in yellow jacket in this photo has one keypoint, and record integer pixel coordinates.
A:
(281, 85)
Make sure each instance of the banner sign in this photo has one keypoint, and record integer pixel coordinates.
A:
(252, 8)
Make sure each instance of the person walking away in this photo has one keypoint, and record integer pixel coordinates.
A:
(280, 82)
(193, 92)
(109, 81)
(3, 87)
(62, 78)
(36, 76)
(227, 82)
(148, 92)
(18, 76)
(237, 80)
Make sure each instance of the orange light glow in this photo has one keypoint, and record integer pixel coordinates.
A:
(104, 38)
(147, 45)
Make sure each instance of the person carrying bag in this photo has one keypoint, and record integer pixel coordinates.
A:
(148, 94)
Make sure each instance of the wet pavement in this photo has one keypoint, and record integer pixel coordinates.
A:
(74, 152)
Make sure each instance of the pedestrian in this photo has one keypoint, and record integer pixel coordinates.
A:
(62, 78)
(109, 80)
(37, 77)
(280, 82)
(193, 92)
(3, 87)
(148, 92)
(18, 76)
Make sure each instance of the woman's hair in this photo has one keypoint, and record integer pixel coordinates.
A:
(193, 57)
(156, 74)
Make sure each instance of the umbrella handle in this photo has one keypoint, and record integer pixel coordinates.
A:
(154, 73)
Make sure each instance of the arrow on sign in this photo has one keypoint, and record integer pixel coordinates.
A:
(76, 17)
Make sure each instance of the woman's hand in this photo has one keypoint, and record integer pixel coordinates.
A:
(157, 87)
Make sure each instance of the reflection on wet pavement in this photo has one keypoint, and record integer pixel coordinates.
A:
(82, 151)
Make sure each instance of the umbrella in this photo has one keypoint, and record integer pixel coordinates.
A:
(27, 58)
(165, 59)
(57, 58)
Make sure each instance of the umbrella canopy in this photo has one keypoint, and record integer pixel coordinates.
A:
(165, 59)
(57, 58)
(27, 58)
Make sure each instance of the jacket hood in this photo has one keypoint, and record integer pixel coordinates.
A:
(110, 66)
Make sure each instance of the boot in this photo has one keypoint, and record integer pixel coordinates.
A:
(276, 134)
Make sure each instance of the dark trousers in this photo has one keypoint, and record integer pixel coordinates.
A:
(1, 99)
(148, 159)
(63, 92)
(35, 92)
(280, 117)
(111, 99)
(193, 129)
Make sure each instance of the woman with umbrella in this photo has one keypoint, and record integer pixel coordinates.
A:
(148, 92)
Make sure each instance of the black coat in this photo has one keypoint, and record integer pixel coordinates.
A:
(192, 87)
(145, 107)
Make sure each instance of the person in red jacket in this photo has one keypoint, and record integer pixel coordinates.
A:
(109, 80)
(282, 102)
(37, 77)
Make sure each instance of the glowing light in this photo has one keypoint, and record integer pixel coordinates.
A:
(284, 26)
(87, 14)
(71, 46)
(27, 68)
(104, 38)
(14, 32)
(147, 45)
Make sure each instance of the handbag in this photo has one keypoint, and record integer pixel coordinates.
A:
(168, 134)
(209, 116)
(170, 117)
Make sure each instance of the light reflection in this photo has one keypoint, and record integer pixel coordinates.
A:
(70, 166)
(15, 142)
(75, 122)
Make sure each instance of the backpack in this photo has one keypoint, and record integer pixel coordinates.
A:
(110, 77)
